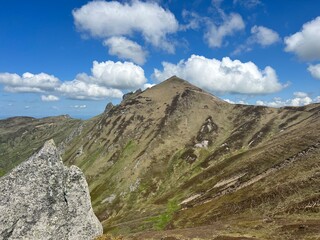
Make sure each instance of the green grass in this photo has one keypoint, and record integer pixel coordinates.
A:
(129, 148)
(161, 221)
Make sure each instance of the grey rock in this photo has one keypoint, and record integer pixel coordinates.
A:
(108, 107)
(131, 94)
(43, 199)
(127, 95)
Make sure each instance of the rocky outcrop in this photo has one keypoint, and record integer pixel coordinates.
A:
(131, 94)
(108, 107)
(43, 199)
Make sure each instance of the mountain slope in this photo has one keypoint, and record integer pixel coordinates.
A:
(20, 137)
(175, 156)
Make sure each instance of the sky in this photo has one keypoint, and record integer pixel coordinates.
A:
(73, 57)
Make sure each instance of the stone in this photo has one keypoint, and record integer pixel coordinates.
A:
(108, 107)
(127, 95)
(43, 199)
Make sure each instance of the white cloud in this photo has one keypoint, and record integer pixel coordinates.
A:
(300, 94)
(264, 36)
(106, 81)
(107, 19)
(215, 31)
(314, 70)
(49, 98)
(28, 82)
(247, 3)
(222, 76)
(229, 101)
(259, 35)
(260, 103)
(243, 102)
(238, 102)
(81, 90)
(119, 75)
(124, 48)
(193, 20)
(231, 24)
(305, 44)
(299, 99)
(79, 106)
(148, 85)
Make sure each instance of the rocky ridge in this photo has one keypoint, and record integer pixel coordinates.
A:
(43, 199)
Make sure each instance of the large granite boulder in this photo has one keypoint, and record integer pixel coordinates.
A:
(43, 199)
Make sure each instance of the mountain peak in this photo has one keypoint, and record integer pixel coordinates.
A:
(179, 82)
(174, 78)
(174, 86)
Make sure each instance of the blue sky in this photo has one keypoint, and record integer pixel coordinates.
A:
(73, 57)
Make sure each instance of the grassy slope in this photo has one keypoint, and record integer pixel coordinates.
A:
(141, 157)
(20, 137)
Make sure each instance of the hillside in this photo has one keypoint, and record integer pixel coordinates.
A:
(174, 160)
(20, 137)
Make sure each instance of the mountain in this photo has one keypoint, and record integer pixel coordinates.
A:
(43, 199)
(20, 137)
(178, 161)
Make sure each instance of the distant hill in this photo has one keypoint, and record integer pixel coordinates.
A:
(175, 157)
(20, 137)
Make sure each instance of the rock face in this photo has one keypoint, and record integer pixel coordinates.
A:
(43, 199)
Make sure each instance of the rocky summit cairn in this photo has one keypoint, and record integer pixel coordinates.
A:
(43, 199)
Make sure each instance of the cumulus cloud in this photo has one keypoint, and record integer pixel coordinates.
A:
(107, 79)
(121, 75)
(216, 33)
(314, 70)
(225, 76)
(264, 36)
(28, 82)
(305, 44)
(124, 48)
(49, 98)
(81, 90)
(107, 19)
(299, 99)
